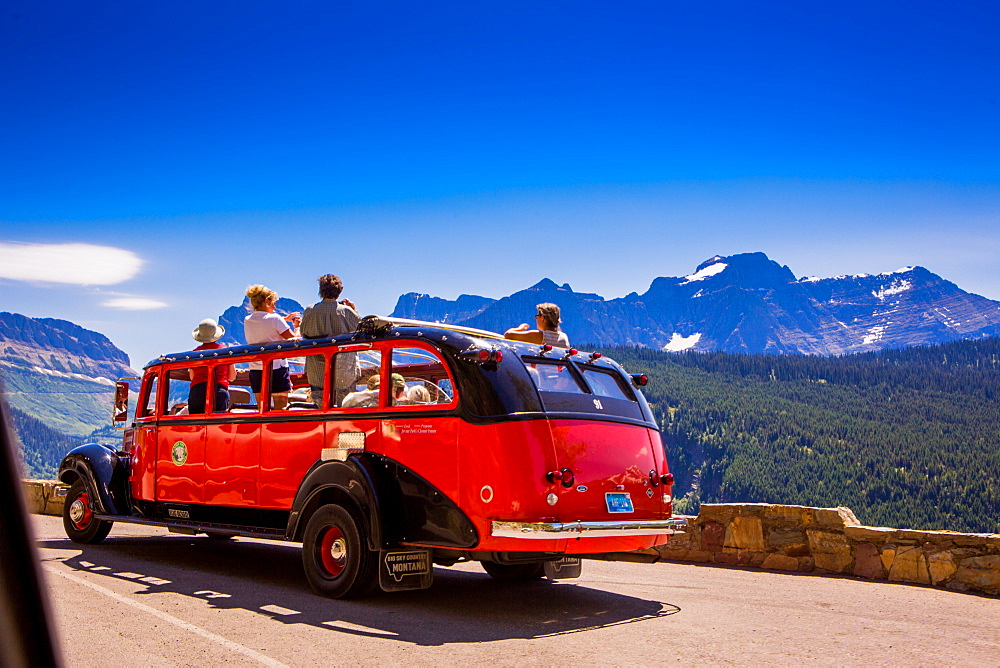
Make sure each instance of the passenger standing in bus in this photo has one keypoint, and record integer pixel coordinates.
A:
(207, 333)
(322, 320)
(266, 326)
(547, 320)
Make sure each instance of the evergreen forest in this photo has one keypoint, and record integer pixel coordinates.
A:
(42, 447)
(906, 438)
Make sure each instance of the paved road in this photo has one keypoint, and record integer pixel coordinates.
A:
(146, 597)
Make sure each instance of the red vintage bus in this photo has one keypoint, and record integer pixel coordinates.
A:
(400, 446)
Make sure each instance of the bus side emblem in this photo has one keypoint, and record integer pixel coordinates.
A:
(597, 404)
(486, 494)
(179, 453)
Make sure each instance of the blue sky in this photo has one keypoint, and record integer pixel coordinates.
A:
(155, 159)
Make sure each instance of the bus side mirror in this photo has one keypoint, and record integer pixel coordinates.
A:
(121, 402)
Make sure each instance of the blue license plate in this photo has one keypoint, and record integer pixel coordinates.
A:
(618, 502)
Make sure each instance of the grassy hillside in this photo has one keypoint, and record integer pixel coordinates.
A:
(70, 404)
(907, 438)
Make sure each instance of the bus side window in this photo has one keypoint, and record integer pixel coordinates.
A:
(303, 373)
(241, 396)
(419, 378)
(346, 372)
(178, 391)
(357, 376)
(149, 404)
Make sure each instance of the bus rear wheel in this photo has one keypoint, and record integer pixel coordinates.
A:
(78, 516)
(335, 555)
(513, 572)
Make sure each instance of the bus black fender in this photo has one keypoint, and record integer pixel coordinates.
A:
(105, 473)
(349, 484)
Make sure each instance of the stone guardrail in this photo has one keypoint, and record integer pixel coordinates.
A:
(831, 540)
(40, 497)
(788, 538)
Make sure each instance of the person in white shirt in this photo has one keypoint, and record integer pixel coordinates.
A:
(266, 326)
(364, 398)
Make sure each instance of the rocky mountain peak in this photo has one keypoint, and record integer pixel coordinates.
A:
(754, 270)
(749, 303)
(547, 284)
(60, 346)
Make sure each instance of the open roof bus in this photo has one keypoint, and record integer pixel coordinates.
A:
(400, 446)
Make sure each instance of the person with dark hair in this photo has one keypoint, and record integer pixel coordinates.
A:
(322, 320)
(547, 319)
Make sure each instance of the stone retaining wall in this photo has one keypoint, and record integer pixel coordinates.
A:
(789, 538)
(831, 540)
(40, 498)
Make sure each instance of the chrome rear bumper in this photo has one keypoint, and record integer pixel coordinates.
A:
(550, 530)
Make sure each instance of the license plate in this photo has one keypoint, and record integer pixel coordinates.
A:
(618, 502)
(404, 570)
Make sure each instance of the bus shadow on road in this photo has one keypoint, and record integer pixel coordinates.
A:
(266, 578)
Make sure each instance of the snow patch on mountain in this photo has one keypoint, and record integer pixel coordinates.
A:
(63, 374)
(874, 334)
(707, 272)
(894, 288)
(678, 343)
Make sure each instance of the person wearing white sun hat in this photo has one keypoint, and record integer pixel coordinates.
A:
(207, 333)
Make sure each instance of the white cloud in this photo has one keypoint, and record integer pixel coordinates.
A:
(133, 303)
(79, 264)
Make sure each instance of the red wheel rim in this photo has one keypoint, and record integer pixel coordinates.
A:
(333, 551)
(80, 507)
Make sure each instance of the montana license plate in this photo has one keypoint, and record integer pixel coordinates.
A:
(618, 502)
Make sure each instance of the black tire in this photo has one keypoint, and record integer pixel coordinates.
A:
(335, 555)
(513, 572)
(78, 516)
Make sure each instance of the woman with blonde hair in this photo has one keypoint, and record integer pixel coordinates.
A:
(547, 319)
(266, 326)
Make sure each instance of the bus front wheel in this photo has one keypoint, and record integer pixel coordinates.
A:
(78, 516)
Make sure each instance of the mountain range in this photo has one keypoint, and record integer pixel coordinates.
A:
(58, 376)
(744, 303)
(58, 379)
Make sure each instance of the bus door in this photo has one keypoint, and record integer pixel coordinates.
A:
(324, 417)
(608, 467)
(180, 442)
(144, 446)
(417, 435)
(232, 448)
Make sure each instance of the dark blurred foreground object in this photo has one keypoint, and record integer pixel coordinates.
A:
(26, 638)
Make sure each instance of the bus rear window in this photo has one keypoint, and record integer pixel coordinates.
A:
(606, 383)
(568, 388)
(555, 377)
